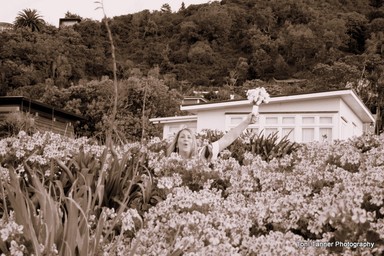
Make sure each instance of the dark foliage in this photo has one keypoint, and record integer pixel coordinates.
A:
(327, 44)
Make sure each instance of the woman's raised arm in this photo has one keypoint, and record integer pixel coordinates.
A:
(235, 132)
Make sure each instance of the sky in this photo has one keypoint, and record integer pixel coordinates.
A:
(52, 10)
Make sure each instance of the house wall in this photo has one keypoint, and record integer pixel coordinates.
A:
(213, 119)
(41, 121)
(68, 23)
(323, 105)
(350, 124)
(170, 129)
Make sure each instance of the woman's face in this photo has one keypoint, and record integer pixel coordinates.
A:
(184, 143)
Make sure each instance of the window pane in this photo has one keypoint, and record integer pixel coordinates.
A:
(236, 120)
(325, 134)
(288, 120)
(269, 131)
(308, 120)
(271, 120)
(173, 129)
(325, 120)
(308, 134)
(289, 132)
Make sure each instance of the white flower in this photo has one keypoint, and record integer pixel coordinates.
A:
(258, 96)
(22, 134)
(127, 219)
(4, 174)
(16, 249)
(10, 229)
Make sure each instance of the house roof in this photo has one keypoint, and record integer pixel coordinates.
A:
(348, 96)
(195, 98)
(32, 104)
(173, 119)
(188, 100)
(6, 24)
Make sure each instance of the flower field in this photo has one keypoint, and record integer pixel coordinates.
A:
(62, 196)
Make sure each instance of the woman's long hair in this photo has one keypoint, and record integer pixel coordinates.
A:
(172, 148)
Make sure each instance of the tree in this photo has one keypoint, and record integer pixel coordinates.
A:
(299, 45)
(182, 8)
(30, 19)
(214, 22)
(69, 15)
(201, 53)
(376, 3)
(166, 8)
(356, 29)
(374, 72)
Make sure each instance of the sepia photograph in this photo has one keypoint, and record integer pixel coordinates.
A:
(192, 128)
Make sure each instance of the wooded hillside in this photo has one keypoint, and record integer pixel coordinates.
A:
(287, 46)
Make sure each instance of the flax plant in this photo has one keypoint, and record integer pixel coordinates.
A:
(115, 83)
(271, 146)
(56, 211)
(40, 218)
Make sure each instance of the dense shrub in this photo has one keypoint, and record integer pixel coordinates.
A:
(62, 196)
(12, 123)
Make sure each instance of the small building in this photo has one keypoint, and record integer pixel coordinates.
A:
(43, 116)
(190, 100)
(68, 22)
(4, 26)
(321, 116)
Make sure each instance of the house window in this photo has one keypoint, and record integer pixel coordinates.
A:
(307, 134)
(173, 129)
(236, 120)
(269, 131)
(288, 119)
(271, 120)
(325, 120)
(289, 133)
(308, 120)
(300, 127)
(325, 134)
(354, 129)
(288, 127)
(233, 119)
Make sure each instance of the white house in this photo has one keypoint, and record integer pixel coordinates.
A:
(189, 100)
(303, 117)
(68, 22)
(5, 26)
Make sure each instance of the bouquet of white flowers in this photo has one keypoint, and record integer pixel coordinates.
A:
(256, 97)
